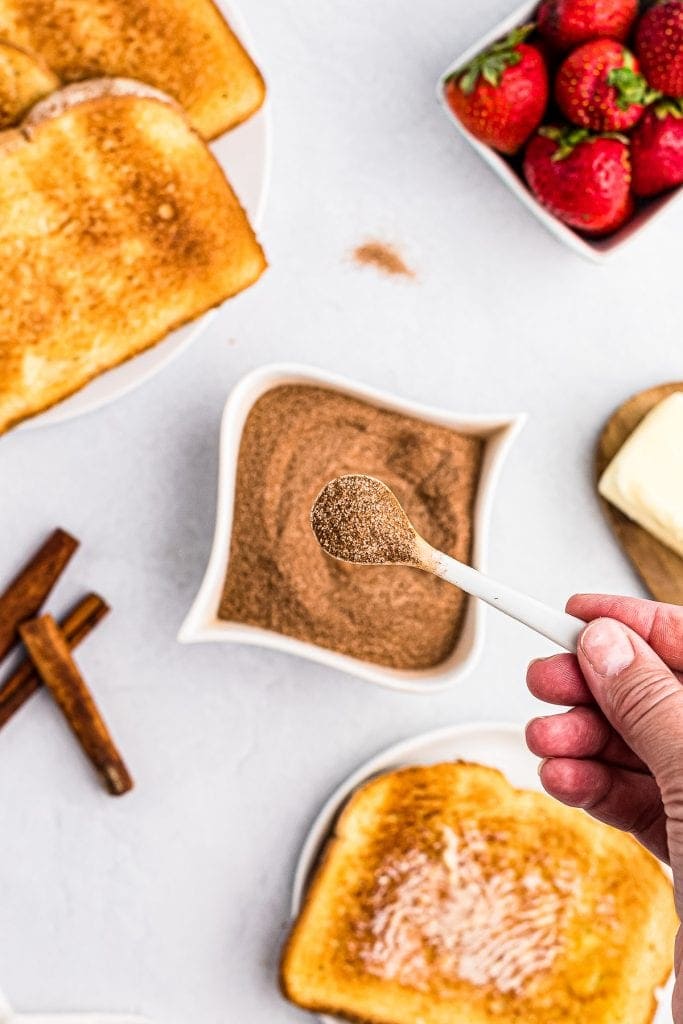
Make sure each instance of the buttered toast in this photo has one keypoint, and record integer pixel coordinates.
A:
(116, 226)
(24, 79)
(446, 896)
(184, 47)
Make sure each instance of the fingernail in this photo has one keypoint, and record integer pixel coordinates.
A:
(541, 765)
(607, 646)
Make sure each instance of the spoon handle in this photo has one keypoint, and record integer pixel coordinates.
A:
(561, 628)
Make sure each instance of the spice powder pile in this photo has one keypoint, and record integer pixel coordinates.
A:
(296, 439)
(384, 257)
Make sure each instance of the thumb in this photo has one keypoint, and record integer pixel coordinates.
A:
(639, 695)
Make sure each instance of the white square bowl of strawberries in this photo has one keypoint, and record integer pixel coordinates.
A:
(578, 106)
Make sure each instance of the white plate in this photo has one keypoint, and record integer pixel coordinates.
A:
(598, 250)
(202, 623)
(499, 745)
(244, 154)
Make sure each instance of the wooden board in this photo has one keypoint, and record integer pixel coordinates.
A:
(660, 569)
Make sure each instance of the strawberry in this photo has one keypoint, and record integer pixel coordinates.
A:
(583, 179)
(659, 45)
(657, 149)
(566, 23)
(599, 87)
(501, 96)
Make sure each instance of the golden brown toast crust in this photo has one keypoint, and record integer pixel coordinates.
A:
(447, 896)
(183, 47)
(24, 79)
(117, 226)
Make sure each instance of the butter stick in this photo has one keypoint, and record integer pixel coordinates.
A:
(644, 480)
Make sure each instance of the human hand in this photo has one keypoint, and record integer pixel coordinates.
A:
(618, 753)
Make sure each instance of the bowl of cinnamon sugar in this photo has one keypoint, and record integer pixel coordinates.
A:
(286, 431)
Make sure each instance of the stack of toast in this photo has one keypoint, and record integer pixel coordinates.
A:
(183, 47)
(116, 223)
(446, 896)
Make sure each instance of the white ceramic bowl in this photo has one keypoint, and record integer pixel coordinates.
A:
(598, 250)
(499, 745)
(202, 622)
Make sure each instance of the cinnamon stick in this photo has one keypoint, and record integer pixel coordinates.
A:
(49, 651)
(24, 682)
(27, 592)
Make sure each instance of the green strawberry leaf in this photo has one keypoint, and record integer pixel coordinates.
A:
(521, 34)
(492, 63)
(629, 60)
(568, 142)
(549, 131)
(566, 139)
(668, 107)
(469, 80)
(569, 137)
(631, 88)
(491, 73)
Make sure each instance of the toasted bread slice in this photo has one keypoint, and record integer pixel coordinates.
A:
(116, 226)
(446, 896)
(24, 79)
(183, 47)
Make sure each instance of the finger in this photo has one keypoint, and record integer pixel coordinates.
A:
(640, 697)
(661, 625)
(581, 733)
(558, 680)
(627, 800)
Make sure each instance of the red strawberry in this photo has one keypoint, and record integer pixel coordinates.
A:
(566, 23)
(657, 149)
(599, 87)
(502, 95)
(659, 45)
(583, 179)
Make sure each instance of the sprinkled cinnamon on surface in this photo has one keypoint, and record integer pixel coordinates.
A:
(357, 518)
(384, 257)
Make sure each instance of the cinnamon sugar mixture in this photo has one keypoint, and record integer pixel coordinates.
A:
(384, 257)
(295, 440)
(358, 519)
(447, 913)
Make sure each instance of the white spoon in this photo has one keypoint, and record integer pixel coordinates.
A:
(359, 519)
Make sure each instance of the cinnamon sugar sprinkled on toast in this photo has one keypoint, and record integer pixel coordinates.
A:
(450, 915)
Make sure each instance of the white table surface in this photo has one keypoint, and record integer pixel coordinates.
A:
(173, 902)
